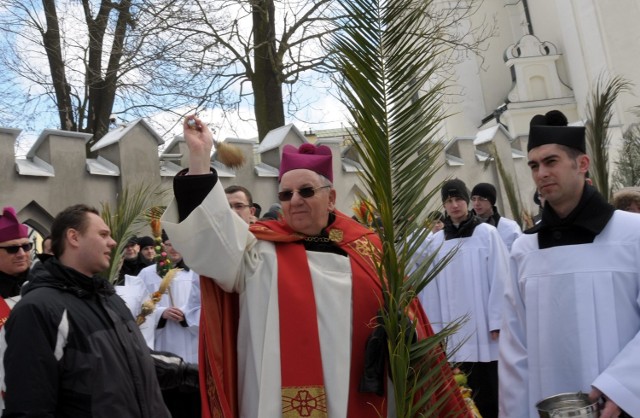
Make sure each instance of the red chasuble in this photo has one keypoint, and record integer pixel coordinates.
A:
(217, 354)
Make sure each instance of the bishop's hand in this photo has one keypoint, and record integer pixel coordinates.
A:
(199, 139)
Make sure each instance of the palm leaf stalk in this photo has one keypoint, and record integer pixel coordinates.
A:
(513, 195)
(599, 114)
(387, 52)
(128, 218)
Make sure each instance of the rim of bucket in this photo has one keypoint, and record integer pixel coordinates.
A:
(545, 405)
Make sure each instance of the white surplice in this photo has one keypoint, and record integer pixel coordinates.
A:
(173, 337)
(509, 231)
(572, 320)
(471, 284)
(134, 293)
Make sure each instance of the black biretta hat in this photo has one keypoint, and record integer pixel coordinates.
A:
(551, 128)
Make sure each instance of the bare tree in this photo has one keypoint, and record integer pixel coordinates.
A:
(83, 59)
(264, 46)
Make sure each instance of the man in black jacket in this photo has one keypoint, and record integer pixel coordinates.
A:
(72, 346)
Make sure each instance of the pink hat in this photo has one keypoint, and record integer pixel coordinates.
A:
(308, 156)
(10, 227)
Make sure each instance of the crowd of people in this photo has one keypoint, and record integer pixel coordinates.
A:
(269, 317)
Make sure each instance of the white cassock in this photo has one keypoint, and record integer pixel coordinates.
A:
(173, 336)
(215, 242)
(134, 293)
(572, 320)
(192, 313)
(472, 284)
(509, 231)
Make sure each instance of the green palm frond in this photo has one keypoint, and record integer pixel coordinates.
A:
(627, 172)
(599, 114)
(128, 218)
(388, 53)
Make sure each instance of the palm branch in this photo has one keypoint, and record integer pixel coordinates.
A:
(599, 114)
(128, 218)
(513, 196)
(387, 52)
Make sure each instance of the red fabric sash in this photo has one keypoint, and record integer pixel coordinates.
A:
(303, 392)
(217, 352)
(5, 310)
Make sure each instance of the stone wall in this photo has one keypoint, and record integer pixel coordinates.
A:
(57, 172)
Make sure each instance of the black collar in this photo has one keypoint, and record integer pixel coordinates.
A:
(322, 243)
(464, 230)
(581, 226)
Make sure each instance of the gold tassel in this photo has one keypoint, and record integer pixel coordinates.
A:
(229, 155)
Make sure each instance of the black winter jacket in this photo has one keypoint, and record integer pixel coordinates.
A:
(74, 350)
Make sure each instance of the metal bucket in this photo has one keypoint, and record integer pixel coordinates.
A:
(568, 405)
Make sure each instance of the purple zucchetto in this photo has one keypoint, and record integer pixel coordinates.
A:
(10, 227)
(307, 156)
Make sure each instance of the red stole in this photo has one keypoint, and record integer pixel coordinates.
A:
(5, 310)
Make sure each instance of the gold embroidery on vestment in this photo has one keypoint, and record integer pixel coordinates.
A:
(304, 401)
(336, 235)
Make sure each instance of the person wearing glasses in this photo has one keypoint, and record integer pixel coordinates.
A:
(471, 285)
(241, 202)
(15, 253)
(307, 284)
(572, 311)
(483, 199)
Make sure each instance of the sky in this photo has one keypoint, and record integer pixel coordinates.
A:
(320, 110)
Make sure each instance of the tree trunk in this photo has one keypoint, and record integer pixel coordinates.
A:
(265, 80)
(102, 89)
(51, 41)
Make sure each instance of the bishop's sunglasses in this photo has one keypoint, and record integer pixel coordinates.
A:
(305, 193)
(13, 249)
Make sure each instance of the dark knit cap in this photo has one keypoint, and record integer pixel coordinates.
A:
(485, 190)
(551, 128)
(455, 188)
(146, 241)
